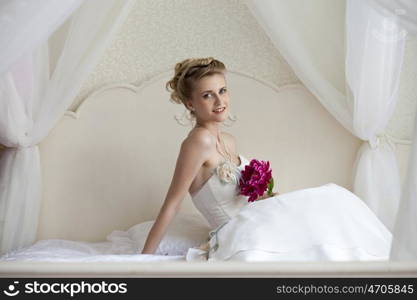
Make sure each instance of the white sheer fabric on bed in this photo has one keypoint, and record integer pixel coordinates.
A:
(185, 231)
(54, 250)
(374, 45)
(32, 100)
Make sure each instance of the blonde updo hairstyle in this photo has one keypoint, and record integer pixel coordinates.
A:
(189, 71)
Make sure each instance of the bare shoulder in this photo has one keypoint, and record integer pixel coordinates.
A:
(200, 142)
(199, 136)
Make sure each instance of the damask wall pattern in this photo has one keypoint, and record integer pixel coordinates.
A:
(402, 121)
(159, 33)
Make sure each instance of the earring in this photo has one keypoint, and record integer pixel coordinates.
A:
(232, 118)
(186, 115)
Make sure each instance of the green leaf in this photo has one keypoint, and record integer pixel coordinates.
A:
(270, 186)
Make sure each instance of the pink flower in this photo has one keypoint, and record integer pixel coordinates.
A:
(255, 179)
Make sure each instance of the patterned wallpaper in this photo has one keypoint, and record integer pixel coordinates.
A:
(159, 33)
(401, 123)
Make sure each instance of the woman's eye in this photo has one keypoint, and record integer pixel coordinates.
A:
(222, 91)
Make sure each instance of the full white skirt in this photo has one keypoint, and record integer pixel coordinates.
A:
(325, 223)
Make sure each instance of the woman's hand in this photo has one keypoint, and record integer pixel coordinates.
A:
(266, 196)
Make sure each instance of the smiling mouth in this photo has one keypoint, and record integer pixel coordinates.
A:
(219, 110)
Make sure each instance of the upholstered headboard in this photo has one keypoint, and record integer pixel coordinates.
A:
(108, 165)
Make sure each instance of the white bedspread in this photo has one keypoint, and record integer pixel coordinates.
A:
(56, 250)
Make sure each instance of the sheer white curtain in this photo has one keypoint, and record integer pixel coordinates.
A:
(26, 24)
(404, 11)
(309, 35)
(374, 57)
(372, 64)
(404, 243)
(32, 100)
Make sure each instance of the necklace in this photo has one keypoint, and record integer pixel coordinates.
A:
(226, 154)
(227, 171)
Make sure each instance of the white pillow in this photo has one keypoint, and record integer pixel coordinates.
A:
(185, 231)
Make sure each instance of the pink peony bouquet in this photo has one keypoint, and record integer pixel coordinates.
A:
(255, 179)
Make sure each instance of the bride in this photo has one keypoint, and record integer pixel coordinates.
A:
(327, 222)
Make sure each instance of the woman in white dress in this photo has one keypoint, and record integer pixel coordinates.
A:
(326, 222)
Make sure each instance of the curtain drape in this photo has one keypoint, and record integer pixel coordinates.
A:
(26, 24)
(403, 11)
(371, 63)
(309, 35)
(404, 243)
(32, 101)
(374, 57)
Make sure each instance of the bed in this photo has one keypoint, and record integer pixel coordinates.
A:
(107, 167)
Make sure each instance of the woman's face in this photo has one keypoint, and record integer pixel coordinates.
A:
(210, 93)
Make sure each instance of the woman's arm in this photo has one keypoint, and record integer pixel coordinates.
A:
(193, 153)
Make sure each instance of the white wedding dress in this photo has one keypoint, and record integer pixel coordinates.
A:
(324, 223)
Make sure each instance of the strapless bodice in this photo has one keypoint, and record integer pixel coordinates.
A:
(218, 201)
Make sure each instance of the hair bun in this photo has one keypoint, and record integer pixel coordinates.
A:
(187, 72)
